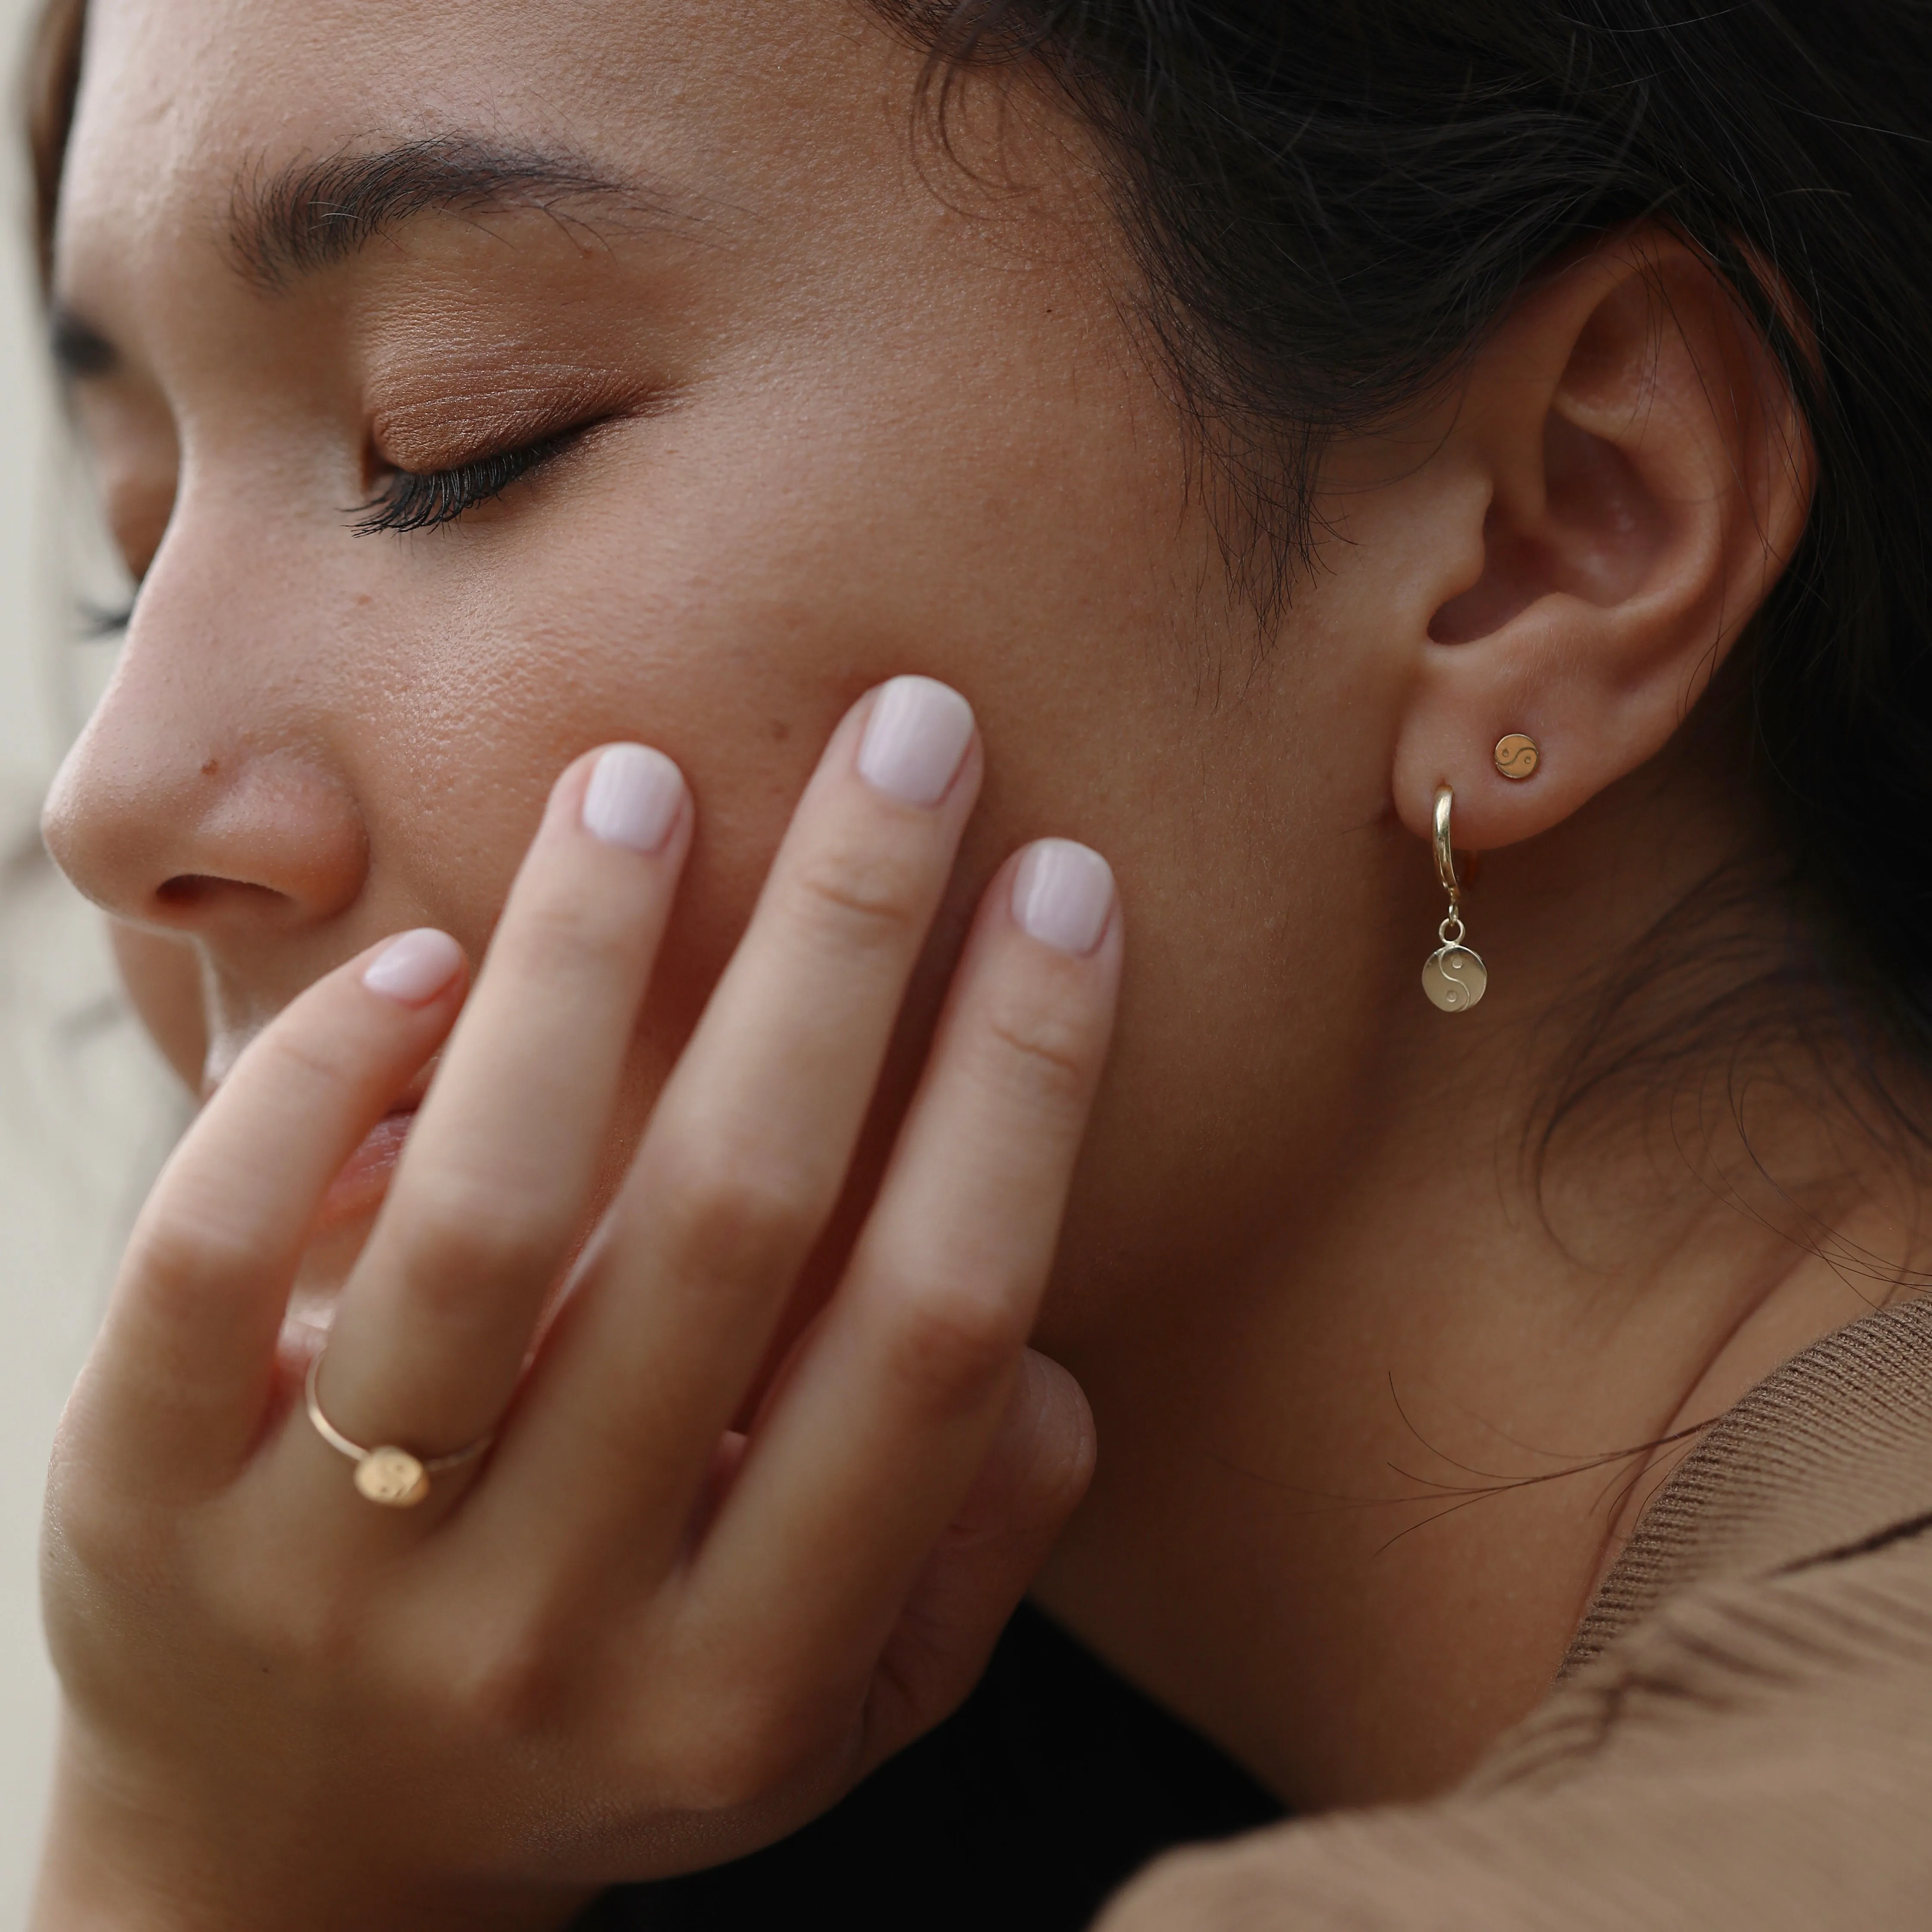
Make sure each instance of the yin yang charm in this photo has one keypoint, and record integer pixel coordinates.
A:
(1455, 978)
(393, 1477)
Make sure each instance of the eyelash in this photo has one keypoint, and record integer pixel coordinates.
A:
(410, 500)
(421, 500)
(97, 621)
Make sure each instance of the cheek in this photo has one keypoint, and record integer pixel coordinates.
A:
(162, 978)
(551, 648)
(725, 615)
(729, 606)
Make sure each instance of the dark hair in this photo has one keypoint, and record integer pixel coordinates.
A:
(53, 80)
(1331, 203)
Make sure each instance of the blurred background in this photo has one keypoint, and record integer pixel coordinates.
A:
(86, 1111)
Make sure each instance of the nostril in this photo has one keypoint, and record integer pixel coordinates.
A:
(197, 892)
(184, 893)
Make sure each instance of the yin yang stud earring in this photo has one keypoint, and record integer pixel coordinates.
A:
(1455, 978)
(1517, 756)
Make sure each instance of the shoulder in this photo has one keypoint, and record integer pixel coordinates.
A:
(1742, 1734)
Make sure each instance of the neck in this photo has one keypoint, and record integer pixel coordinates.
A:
(1355, 1491)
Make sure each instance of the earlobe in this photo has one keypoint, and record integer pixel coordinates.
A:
(1649, 477)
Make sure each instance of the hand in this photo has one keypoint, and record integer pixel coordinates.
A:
(628, 1641)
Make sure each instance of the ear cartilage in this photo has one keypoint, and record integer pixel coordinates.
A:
(1516, 756)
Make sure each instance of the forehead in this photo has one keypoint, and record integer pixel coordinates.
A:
(184, 101)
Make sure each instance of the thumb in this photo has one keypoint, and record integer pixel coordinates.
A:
(1035, 1473)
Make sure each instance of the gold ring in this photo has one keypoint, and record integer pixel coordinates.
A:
(388, 1475)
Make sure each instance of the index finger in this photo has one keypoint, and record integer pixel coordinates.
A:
(870, 1443)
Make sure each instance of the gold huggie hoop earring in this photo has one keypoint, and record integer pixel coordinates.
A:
(1455, 978)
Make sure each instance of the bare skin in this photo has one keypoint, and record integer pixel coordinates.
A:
(852, 415)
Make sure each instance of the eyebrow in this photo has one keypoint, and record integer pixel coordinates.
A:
(310, 215)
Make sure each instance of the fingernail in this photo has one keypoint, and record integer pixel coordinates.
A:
(633, 797)
(414, 966)
(914, 739)
(1062, 895)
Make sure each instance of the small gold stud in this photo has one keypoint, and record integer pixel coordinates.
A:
(1516, 756)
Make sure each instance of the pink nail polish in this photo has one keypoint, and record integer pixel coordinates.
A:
(1062, 894)
(414, 966)
(915, 739)
(633, 797)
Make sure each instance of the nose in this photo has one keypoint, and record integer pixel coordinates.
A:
(177, 810)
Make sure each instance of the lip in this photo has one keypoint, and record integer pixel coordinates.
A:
(357, 1190)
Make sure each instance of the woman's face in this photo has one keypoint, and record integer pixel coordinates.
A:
(826, 404)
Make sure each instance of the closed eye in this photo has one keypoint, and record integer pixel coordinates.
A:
(420, 499)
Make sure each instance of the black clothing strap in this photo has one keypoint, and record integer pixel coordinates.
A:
(1052, 1784)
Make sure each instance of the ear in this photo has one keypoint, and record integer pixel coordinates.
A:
(1642, 474)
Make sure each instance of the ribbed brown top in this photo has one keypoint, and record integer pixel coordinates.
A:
(1740, 1739)
(1835, 1448)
